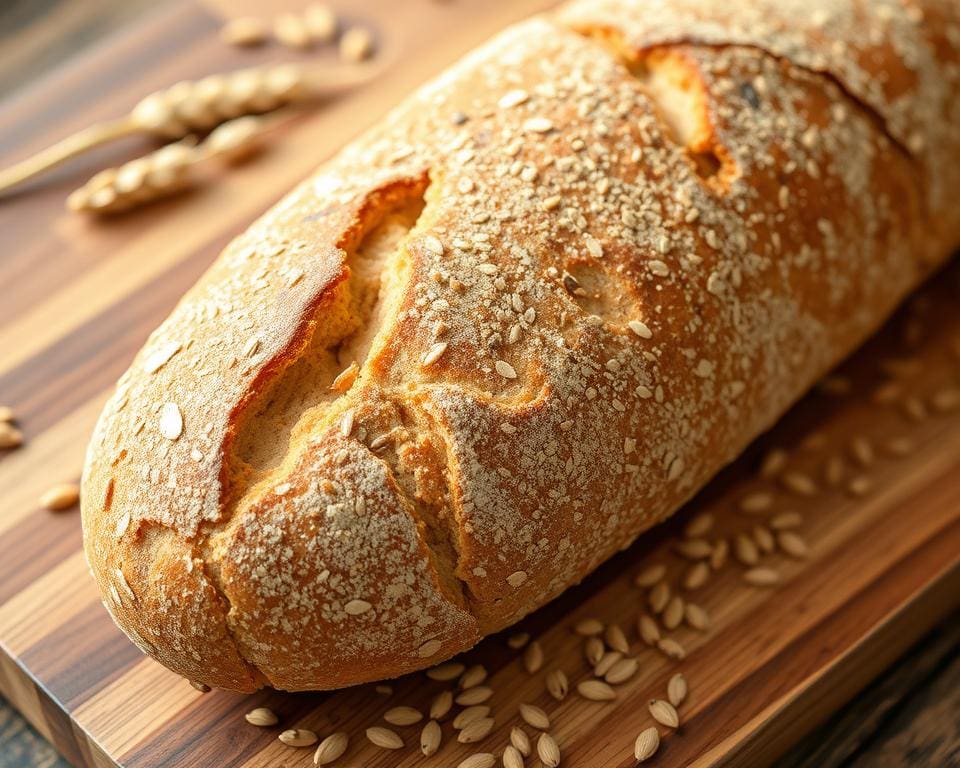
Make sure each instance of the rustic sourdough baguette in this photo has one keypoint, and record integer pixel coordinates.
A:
(516, 324)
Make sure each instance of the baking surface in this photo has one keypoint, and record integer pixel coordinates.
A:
(883, 569)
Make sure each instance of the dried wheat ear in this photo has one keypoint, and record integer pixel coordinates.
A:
(197, 106)
(168, 169)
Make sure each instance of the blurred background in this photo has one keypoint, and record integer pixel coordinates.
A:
(909, 716)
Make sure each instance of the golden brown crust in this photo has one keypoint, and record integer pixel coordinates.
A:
(578, 274)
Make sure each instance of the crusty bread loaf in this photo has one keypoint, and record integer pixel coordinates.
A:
(514, 325)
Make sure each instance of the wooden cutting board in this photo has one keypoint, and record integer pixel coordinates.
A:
(79, 297)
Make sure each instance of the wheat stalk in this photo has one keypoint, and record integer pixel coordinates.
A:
(194, 107)
(167, 170)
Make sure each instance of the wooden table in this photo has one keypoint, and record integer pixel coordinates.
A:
(908, 716)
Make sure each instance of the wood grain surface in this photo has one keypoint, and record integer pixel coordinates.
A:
(883, 569)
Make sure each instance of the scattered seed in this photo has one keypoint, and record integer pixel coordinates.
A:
(476, 730)
(473, 676)
(513, 98)
(60, 497)
(888, 393)
(659, 596)
(694, 549)
(171, 421)
(762, 577)
(244, 31)
(518, 641)
(697, 575)
(899, 446)
(622, 671)
(946, 400)
(650, 576)
(435, 353)
(664, 713)
(588, 627)
(745, 550)
(533, 657)
(548, 751)
(677, 689)
(594, 246)
(356, 44)
(346, 423)
(862, 451)
(534, 717)
(512, 757)
(384, 738)
(860, 486)
(520, 741)
(648, 629)
(647, 744)
(479, 760)
(505, 369)
(331, 748)
(756, 503)
(774, 462)
(298, 737)
(786, 520)
(616, 639)
(833, 471)
(593, 650)
(718, 557)
(357, 607)
(700, 525)
(441, 705)
(557, 684)
(640, 329)
(468, 715)
(430, 738)
(793, 544)
(445, 672)
(799, 483)
(402, 716)
(538, 125)
(383, 690)
(261, 717)
(552, 203)
(673, 613)
(475, 695)
(914, 408)
(606, 662)
(814, 441)
(671, 648)
(433, 245)
(596, 690)
(764, 539)
(696, 617)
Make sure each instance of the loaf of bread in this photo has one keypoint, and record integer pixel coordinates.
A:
(517, 323)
